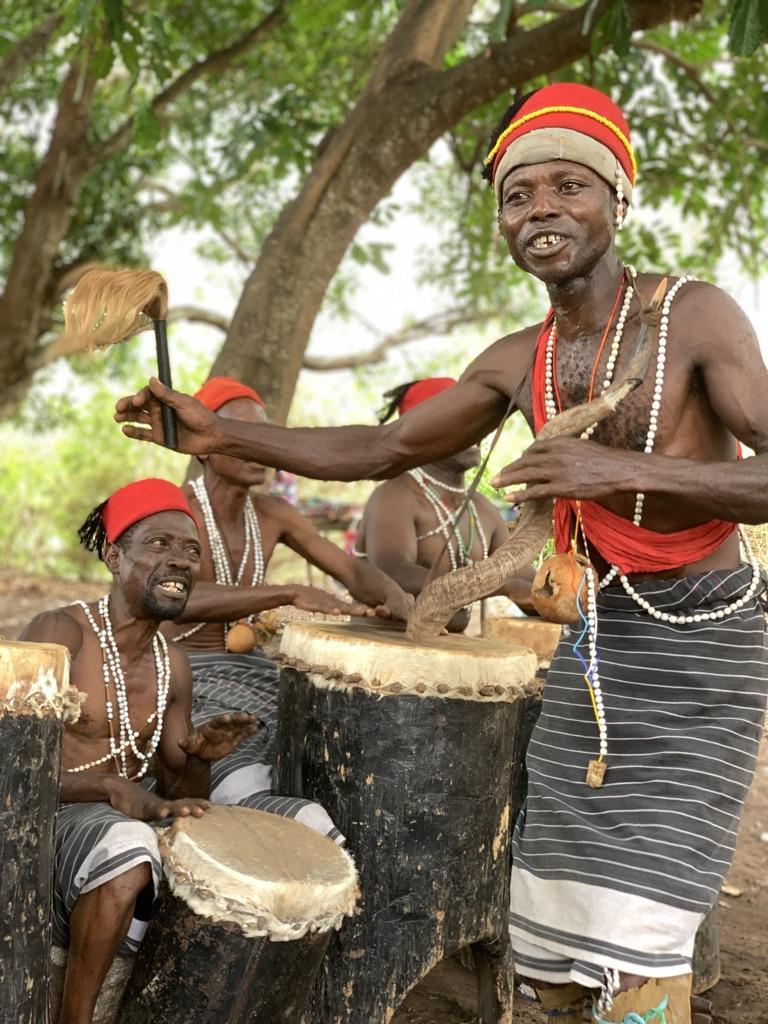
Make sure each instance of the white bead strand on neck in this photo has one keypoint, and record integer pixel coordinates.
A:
(222, 568)
(447, 521)
(113, 677)
(549, 388)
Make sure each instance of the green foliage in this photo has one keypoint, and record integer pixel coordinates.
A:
(748, 26)
(232, 150)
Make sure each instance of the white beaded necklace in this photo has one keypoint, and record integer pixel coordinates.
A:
(220, 556)
(114, 679)
(447, 519)
(614, 571)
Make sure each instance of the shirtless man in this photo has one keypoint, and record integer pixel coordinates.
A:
(609, 880)
(240, 531)
(409, 523)
(139, 690)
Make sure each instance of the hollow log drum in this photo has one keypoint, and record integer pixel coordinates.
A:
(238, 935)
(410, 747)
(35, 700)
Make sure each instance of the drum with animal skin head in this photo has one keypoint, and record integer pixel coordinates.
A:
(238, 936)
(412, 747)
(35, 701)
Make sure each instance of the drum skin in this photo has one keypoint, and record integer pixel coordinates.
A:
(422, 788)
(240, 938)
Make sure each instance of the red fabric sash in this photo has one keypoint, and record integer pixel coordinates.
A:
(620, 542)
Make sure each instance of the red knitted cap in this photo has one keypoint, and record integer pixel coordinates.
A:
(140, 499)
(219, 390)
(566, 110)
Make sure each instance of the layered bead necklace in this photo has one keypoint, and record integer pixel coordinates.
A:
(592, 675)
(448, 525)
(220, 556)
(114, 684)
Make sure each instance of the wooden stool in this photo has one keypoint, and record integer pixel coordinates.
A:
(410, 747)
(35, 700)
(238, 936)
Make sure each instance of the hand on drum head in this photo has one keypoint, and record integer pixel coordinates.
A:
(220, 736)
(398, 605)
(135, 802)
(311, 599)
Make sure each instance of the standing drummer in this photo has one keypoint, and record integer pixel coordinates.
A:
(423, 517)
(610, 880)
(239, 533)
(107, 864)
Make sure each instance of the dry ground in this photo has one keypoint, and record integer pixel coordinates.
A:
(447, 995)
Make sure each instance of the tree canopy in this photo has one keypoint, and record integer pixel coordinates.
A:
(282, 126)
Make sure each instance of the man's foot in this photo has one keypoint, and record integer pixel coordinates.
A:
(701, 1010)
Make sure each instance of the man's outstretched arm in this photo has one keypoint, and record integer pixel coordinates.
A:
(442, 426)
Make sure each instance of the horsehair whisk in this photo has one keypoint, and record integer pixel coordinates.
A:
(440, 599)
(108, 306)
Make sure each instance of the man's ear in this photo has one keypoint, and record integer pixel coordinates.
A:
(112, 557)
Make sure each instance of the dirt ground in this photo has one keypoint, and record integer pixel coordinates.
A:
(447, 996)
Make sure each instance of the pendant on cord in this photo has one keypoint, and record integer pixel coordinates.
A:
(596, 773)
(558, 585)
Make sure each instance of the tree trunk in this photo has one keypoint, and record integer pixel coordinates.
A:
(398, 117)
(28, 290)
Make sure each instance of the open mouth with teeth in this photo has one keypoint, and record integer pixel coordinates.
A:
(546, 243)
(173, 588)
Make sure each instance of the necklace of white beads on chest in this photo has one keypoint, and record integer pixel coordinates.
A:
(448, 525)
(222, 566)
(592, 674)
(114, 683)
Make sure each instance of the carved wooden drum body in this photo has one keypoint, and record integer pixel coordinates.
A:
(35, 701)
(238, 936)
(411, 748)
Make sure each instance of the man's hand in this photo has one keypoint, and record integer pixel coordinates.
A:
(567, 467)
(130, 799)
(220, 736)
(195, 425)
(312, 599)
(397, 603)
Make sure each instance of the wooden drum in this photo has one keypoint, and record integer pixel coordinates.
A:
(410, 747)
(35, 701)
(238, 936)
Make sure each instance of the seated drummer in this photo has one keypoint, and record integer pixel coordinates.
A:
(410, 522)
(135, 721)
(239, 534)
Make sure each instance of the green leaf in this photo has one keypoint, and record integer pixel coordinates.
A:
(748, 26)
(147, 130)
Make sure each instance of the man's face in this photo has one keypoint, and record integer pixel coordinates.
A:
(237, 471)
(155, 565)
(557, 219)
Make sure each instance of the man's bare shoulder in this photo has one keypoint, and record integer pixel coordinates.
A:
(57, 626)
(706, 310)
(506, 361)
(399, 488)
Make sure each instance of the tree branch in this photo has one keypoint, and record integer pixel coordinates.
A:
(216, 61)
(198, 315)
(25, 50)
(674, 58)
(438, 324)
(175, 203)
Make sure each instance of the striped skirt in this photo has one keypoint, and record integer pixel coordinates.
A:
(95, 844)
(620, 876)
(226, 682)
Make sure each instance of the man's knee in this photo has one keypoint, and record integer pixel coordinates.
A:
(123, 889)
